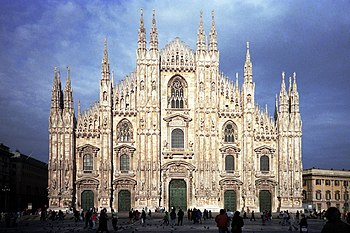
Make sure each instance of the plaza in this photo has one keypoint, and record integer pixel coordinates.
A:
(28, 224)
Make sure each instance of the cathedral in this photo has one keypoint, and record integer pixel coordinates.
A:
(175, 132)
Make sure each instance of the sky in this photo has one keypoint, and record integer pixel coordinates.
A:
(311, 38)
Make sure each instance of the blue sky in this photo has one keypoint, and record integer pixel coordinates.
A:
(311, 38)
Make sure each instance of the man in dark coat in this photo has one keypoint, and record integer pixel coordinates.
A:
(237, 223)
(334, 223)
(180, 216)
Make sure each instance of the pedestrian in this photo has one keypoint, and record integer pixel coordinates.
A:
(102, 223)
(149, 214)
(303, 224)
(114, 220)
(87, 218)
(180, 216)
(131, 216)
(94, 220)
(237, 223)
(166, 218)
(252, 216)
(334, 223)
(143, 217)
(297, 215)
(222, 221)
(172, 217)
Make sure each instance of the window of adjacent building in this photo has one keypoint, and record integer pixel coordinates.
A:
(264, 163)
(124, 163)
(177, 138)
(304, 182)
(336, 183)
(346, 183)
(318, 182)
(328, 195)
(337, 195)
(87, 162)
(124, 131)
(177, 94)
(229, 163)
(346, 196)
(328, 182)
(229, 133)
(318, 195)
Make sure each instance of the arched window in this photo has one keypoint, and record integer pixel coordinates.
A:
(229, 133)
(124, 131)
(229, 163)
(264, 163)
(318, 195)
(177, 138)
(328, 195)
(177, 94)
(87, 162)
(124, 163)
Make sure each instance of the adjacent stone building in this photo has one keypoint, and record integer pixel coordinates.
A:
(325, 188)
(175, 132)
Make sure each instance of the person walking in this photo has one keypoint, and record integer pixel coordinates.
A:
(237, 223)
(334, 223)
(166, 218)
(252, 216)
(303, 224)
(222, 221)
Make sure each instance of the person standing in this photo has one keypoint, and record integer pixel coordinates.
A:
(180, 216)
(114, 220)
(143, 217)
(237, 223)
(303, 224)
(334, 223)
(222, 221)
(102, 224)
(172, 217)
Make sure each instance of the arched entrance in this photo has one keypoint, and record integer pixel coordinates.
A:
(265, 200)
(87, 199)
(178, 194)
(124, 200)
(230, 200)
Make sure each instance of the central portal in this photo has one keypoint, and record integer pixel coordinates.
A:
(178, 194)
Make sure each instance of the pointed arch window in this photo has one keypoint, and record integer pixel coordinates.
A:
(229, 163)
(124, 163)
(177, 94)
(177, 138)
(124, 131)
(87, 162)
(229, 133)
(264, 163)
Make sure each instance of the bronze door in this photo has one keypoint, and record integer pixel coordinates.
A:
(230, 200)
(124, 200)
(178, 194)
(265, 200)
(87, 200)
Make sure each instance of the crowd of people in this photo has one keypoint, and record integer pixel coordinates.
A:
(226, 221)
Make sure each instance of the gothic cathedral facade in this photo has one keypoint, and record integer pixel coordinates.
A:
(175, 132)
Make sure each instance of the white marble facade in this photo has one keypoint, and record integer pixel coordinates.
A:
(176, 117)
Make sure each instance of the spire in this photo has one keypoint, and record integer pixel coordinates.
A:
(295, 94)
(79, 109)
(283, 96)
(248, 67)
(200, 34)
(105, 62)
(56, 94)
(154, 33)
(276, 109)
(142, 34)
(213, 35)
(68, 96)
